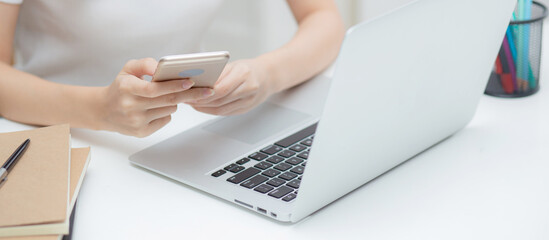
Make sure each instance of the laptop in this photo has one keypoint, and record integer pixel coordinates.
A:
(402, 83)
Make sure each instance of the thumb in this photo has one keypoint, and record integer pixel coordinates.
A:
(140, 67)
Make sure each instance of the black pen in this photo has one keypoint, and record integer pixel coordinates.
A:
(12, 160)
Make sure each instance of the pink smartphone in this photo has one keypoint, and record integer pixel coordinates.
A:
(202, 68)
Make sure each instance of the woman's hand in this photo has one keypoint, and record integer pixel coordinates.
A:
(242, 85)
(133, 106)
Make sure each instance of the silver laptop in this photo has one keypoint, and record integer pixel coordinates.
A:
(402, 83)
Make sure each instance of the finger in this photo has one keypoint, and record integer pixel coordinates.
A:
(155, 125)
(155, 113)
(178, 97)
(233, 96)
(156, 89)
(138, 68)
(226, 70)
(240, 105)
(228, 84)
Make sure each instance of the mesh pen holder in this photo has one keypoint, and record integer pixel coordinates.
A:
(517, 67)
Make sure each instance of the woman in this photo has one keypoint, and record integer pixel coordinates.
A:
(69, 52)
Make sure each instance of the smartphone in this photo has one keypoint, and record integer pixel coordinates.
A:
(202, 68)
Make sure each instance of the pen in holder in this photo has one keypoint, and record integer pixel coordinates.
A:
(517, 67)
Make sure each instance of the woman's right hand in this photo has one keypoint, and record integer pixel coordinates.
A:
(133, 106)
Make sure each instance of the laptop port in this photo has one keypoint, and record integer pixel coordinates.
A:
(243, 203)
(261, 210)
(273, 214)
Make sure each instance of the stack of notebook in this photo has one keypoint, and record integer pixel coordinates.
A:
(40, 193)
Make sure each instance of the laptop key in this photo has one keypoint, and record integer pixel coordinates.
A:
(270, 173)
(307, 142)
(298, 170)
(283, 166)
(276, 182)
(271, 149)
(294, 161)
(287, 176)
(303, 155)
(239, 177)
(263, 165)
(254, 181)
(218, 173)
(275, 159)
(264, 188)
(280, 192)
(230, 166)
(243, 161)
(298, 148)
(258, 156)
(298, 136)
(236, 169)
(286, 153)
(289, 197)
(294, 183)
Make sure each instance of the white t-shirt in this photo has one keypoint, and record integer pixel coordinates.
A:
(88, 42)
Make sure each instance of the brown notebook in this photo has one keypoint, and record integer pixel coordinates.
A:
(80, 158)
(37, 188)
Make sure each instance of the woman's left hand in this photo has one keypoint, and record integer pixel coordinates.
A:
(242, 85)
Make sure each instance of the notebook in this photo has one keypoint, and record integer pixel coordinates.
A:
(35, 198)
(80, 158)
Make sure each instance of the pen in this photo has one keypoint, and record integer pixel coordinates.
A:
(12, 160)
(512, 34)
(528, 15)
(524, 12)
(511, 64)
(506, 78)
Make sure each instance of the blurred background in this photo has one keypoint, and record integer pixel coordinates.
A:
(247, 28)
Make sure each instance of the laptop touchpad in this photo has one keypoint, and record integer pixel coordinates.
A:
(258, 124)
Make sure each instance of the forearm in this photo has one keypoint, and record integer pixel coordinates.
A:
(313, 48)
(29, 99)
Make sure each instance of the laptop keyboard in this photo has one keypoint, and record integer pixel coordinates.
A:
(275, 170)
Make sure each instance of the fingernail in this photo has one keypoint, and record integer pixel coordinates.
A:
(207, 92)
(187, 84)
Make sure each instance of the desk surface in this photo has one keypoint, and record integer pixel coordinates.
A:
(488, 181)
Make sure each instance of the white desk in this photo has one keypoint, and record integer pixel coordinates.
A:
(489, 181)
